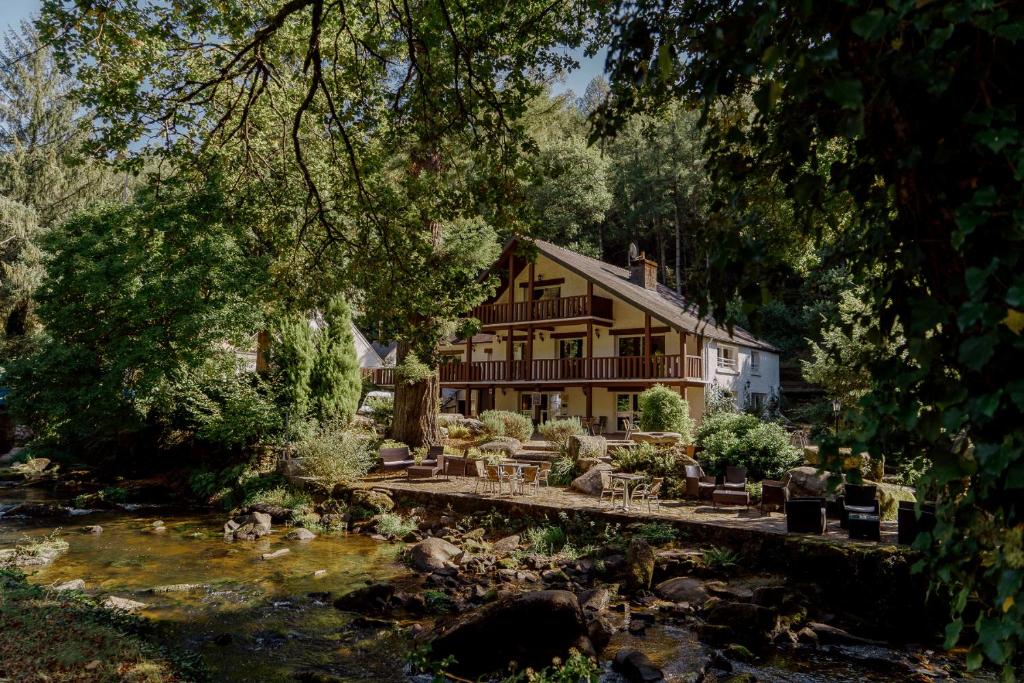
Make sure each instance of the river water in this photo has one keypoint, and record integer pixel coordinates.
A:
(250, 619)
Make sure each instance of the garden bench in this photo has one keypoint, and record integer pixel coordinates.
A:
(396, 458)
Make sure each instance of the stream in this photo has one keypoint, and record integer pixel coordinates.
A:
(267, 620)
(250, 619)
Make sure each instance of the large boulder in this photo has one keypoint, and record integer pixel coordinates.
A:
(506, 445)
(248, 527)
(635, 667)
(889, 497)
(807, 482)
(376, 598)
(683, 589)
(433, 553)
(475, 427)
(583, 446)
(590, 481)
(278, 513)
(530, 629)
(743, 622)
(33, 467)
(372, 500)
(639, 565)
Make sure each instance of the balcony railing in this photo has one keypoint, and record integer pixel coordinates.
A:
(661, 367)
(582, 306)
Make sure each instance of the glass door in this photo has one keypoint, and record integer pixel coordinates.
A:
(626, 408)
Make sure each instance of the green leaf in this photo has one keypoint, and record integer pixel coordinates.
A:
(975, 352)
(953, 630)
(871, 26)
(846, 92)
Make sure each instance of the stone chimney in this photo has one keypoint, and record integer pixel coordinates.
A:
(643, 272)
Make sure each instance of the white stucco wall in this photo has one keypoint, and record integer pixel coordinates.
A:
(744, 380)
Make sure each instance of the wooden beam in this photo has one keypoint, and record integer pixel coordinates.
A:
(589, 391)
(511, 279)
(647, 344)
(544, 283)
(572, 335)
(634, 331)
(529, 292)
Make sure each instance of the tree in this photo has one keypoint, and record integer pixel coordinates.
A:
(42, 176)
(401, 121)
(903, 123)
(336, 381)
(292, 358)
(133, 296)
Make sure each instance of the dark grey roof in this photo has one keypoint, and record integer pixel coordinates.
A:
(662, 303)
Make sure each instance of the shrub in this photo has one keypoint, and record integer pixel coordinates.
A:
(507, 423)
(280, 496)
(664, 410)
(394, 525)
(545, 540)
(578, 668)
(335, 455)
(744, 440)
(558, 432)
(382, 410)
(657, 533)
(562, 471)
(458, 432)
(720, 559)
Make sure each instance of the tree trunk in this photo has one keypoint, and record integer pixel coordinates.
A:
(416, 408)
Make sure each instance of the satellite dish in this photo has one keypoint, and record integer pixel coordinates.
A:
(634, 253)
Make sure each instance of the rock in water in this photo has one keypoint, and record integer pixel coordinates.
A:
(300, 535)
(250, 527)
(529, 628)
(375, 598)
(94, 529)
(123, 604)
(636, 667)
(639, 565)
(432, 554)
(682, 589)
(275, 554)
(742, 622)
(73, 585)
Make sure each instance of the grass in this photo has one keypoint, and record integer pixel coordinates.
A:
(657, 533)
(64, 637)
(393, 525)
(551, 542)
(36, 551)
(280, 496)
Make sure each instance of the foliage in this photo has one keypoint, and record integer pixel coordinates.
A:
(717, 399)
(280, 496)
(563, 469)
(335, 455)
(92, 643)
(394, 525)
(577, 668)
(911, 171)
(663, 410)
(336, 381)
(292, 357)
(232, 486)
(743, 440)
(438, 602)
(507, 423)
(657, 533)
(134, 295)
(545, 540)
(458, 432)
(655, 462)
(558, 432)
(720, 559)
(382, 409)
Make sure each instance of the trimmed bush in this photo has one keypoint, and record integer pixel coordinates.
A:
(744, 440)
(507, 423)
(558, 432)
(663, 410)
(335, 455)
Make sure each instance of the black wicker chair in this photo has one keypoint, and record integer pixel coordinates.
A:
(910, 525)
(805, 516)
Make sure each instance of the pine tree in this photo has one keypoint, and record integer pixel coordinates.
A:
(292, 356)
(336, 382)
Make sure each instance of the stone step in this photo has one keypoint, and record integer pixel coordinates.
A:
(536, 456)
(538, 445)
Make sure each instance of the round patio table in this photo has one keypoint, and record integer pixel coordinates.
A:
(627, 480)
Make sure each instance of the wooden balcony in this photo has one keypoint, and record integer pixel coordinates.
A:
(565, 307)
(603, 369)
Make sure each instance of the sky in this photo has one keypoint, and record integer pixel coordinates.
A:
(13, 11)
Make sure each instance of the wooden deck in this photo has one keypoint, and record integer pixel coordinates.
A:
(699, 521)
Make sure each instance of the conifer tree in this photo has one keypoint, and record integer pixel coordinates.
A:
(293, 355)
(336, 382)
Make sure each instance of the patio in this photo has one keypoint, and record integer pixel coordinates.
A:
(697, 519)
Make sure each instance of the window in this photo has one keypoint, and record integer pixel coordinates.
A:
(755, 362)
(634, 346)
(570, 348)
(758, 400)
(451, 358)
(727, 358)
(546, 293)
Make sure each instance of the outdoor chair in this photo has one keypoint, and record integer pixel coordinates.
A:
(542, 474)
(698, 484)
(433, 456)
(530, 477)
(649, 492)
(611, 488)
(392, 459)
(628, 425)
(773, 494)
(805, 516)
(493, 477)
(910, 525)
(861, 515)
(508, 474)
(735, 478)
(479, 473)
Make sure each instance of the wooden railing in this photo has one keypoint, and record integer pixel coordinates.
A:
(544, 309)
(563, 369)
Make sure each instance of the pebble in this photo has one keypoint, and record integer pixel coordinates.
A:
(320, 572)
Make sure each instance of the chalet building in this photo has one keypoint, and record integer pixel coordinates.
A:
(568, 335)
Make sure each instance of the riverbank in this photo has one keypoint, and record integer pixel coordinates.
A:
(418, 584)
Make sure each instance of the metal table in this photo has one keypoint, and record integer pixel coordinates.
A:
(627, 479)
